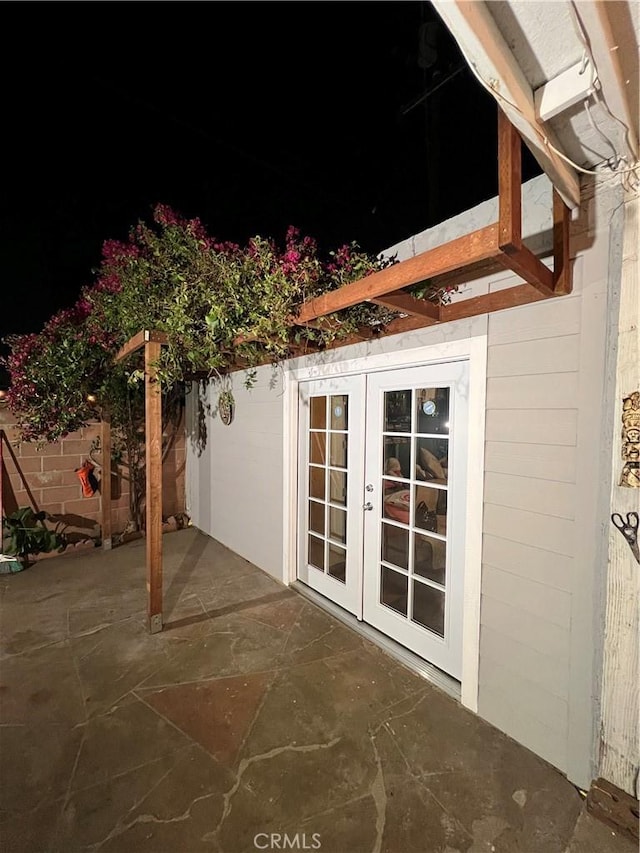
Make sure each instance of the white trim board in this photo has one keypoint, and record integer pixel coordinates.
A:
(473, 349)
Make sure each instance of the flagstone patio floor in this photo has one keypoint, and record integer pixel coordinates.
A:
(254, 721)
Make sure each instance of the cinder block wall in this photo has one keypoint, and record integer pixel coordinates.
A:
(50, 472)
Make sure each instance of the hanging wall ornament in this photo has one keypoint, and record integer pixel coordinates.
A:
(226, 406)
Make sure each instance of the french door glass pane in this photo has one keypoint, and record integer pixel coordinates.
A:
(395, 545)
(339, 411)
(338, 487)
(337, 562)
(432, 459)
(430, 509)
(428, 607)
(338, 525)
(393, 590)
(316, 482)
(430, 558)
(432, 408)
(397, 457)
(318, 419)
(397, 411)
(316, 517)
(317, 448)
(316, 552)
(396, 504)
(338, 456)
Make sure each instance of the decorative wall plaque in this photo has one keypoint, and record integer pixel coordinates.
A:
(630, 475)
(226, 405)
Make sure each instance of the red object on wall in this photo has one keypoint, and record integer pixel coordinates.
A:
(85, 475)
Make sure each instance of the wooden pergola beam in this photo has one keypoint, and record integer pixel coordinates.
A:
(478, 246)
(524, 263)
(487, 303)
(138, 341)
(323, 324)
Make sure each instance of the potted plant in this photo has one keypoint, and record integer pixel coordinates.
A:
(24, 533)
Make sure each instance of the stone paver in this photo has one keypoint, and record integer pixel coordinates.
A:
(253, 717)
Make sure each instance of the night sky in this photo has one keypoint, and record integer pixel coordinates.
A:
(252, 116)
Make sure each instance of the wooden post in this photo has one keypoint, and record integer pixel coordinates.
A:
(152, 342)
(105, 484)
(153, 450)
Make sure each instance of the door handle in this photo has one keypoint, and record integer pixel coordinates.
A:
(368, 506)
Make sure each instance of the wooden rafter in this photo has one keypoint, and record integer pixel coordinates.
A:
(473, 271)
(408, 304)
(496, 246)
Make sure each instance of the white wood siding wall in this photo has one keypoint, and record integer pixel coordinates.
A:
(529, 523)
(234, 484)
(545, 521)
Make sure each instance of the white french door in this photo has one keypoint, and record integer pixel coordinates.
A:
(413, 554)
(383, 469)
(331, 469)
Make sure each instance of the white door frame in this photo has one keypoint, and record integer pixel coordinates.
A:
(473, 349)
